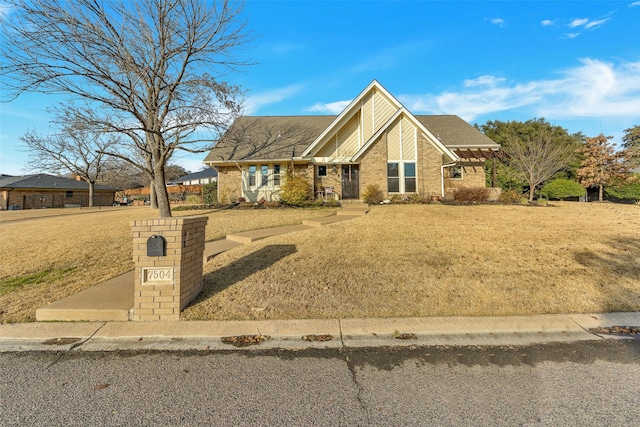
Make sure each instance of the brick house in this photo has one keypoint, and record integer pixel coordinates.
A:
(48, 191)
(375, 140)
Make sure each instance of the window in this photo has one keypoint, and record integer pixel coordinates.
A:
(252, 176)
(455, 172)
(322, 170)
(69, 194)
(276, 175)
(264, 172)
(393, 177)
(409, 177)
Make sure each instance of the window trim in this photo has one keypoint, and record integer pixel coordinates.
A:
(452, 173)
(402, 177)
(271, 180)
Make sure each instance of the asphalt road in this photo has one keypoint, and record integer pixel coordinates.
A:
(568, 384)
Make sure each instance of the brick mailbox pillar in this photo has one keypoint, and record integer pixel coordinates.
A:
(168, 257)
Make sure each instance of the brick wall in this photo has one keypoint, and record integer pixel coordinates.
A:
(164, 299)
(229, 184)
(473, 175)
(429, 168)
(331, 180)
(29, 199)
(373, 166)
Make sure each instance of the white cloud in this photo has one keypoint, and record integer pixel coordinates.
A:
(593, 89)
(483, 81)
(578, 22)
(329, 108)
(254, 102)
(546, 23)
(498, 21)
(595, 24)
(588, 24)
(635, 3)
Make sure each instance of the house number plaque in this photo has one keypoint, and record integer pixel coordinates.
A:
(157, 275)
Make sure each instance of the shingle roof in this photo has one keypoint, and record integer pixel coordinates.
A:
(43, 181)
(206, 173)
(283, 137)
(454, 132)
(268, 138)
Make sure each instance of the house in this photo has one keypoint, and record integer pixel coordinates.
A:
(375, 140)
(48, 191)
(206, 176)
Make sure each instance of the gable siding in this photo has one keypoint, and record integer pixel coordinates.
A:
(383, 111)
(348, 137)
(345, 143)
(408, 140)
(393, 142)
(367, 117)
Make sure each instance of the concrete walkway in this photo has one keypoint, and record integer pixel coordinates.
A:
(288, 334)
(113, 300)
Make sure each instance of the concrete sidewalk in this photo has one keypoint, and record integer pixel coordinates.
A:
(287, 334)
(113, 300)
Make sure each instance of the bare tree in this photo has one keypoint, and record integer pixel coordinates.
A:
(76, 149)
(152, 70)
(537, 156)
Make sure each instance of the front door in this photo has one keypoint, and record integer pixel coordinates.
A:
(350, 182)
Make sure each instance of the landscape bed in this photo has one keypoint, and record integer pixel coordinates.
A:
(398, 260)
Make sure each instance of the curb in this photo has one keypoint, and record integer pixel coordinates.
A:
(288, 334)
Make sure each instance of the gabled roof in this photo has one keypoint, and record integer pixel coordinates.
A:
(270, 138)
(258, 138)
(348, 112)
(43, 181)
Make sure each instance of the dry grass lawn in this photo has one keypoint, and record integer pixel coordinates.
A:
(44, 259)
(436, 260)
(411, 260)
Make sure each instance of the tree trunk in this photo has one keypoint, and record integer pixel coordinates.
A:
(600, 188)
(153, 200)
(91, 188)
(161, 193)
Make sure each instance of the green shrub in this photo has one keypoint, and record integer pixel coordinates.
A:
(471, 195)
(561, 188)
(210, 193)
(296, 189)
(630, 191)
(373, 194)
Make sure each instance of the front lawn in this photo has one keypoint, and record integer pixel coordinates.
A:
(436, 260)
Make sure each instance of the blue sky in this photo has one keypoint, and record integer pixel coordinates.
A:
(575, 63)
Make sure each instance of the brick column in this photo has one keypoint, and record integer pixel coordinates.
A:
(165, 284)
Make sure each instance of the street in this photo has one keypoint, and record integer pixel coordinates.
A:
(593, 383)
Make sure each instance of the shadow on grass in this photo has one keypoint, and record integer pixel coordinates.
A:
(621, 264)
(237, 271)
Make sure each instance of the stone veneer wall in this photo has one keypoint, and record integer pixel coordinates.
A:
(229, 184)
(184, 255)
(473, 176)
(373, 166)
(333, 179)
(429, 168)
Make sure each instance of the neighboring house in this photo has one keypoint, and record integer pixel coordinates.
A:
(374, 141)
(48, 191)
(206, 176)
